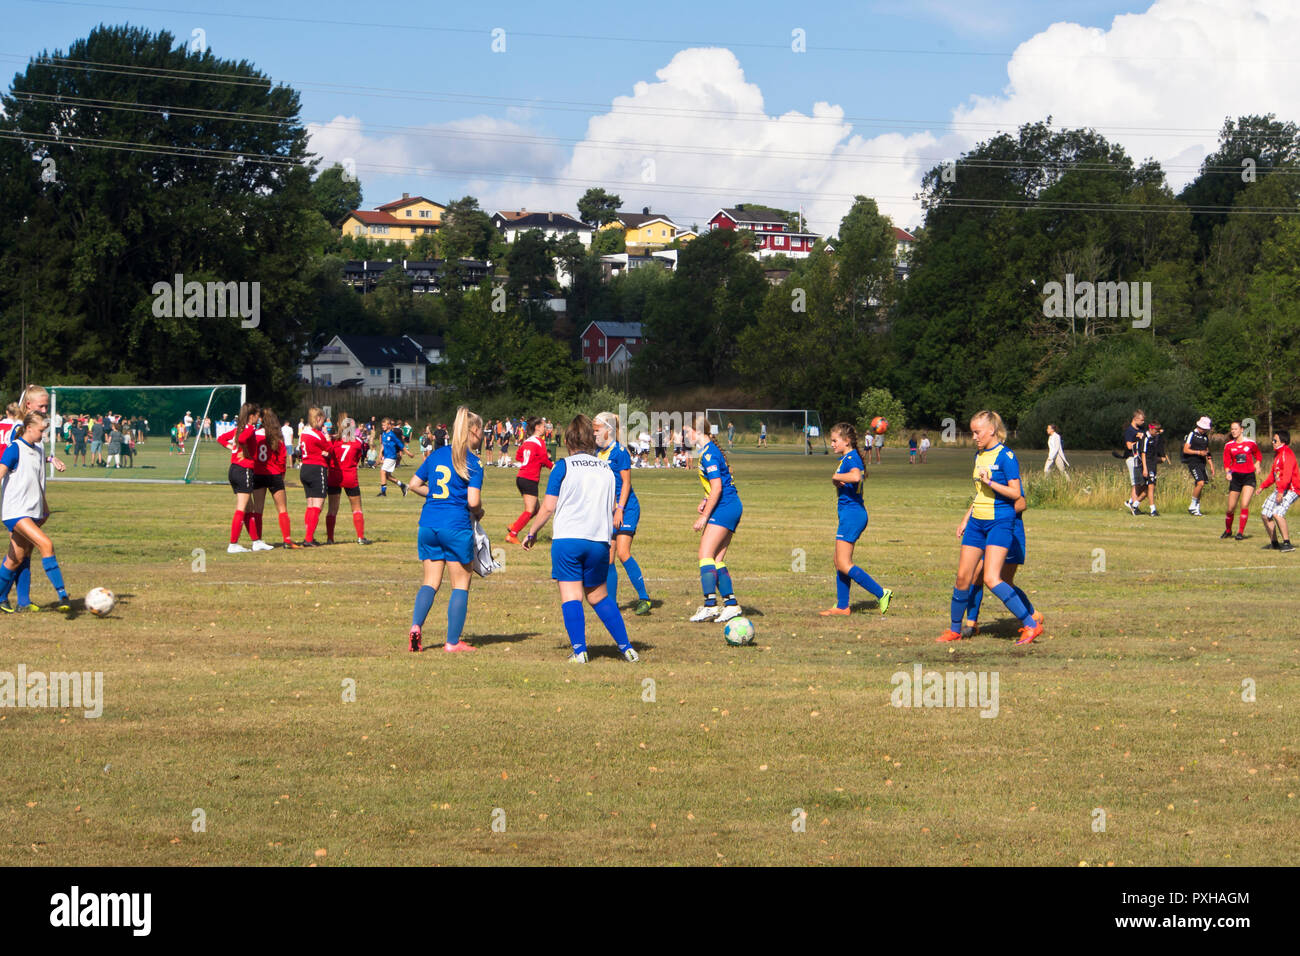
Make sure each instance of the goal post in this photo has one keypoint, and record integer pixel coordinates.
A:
(146, 415)
(791, 431)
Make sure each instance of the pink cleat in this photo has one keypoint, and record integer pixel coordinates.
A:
(458, 646)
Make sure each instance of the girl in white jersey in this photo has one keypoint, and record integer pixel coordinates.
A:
(23, 508)
(580, 493)
(33, 399)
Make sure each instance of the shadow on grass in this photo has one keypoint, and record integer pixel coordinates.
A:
(482, 640)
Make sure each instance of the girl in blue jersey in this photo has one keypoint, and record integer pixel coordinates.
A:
(580, 493)
(451, 482)
(720, 513)
(627, 510)
(988, 529)
(24, 508)
(392, 451)
(848, 480)
(1015, 560)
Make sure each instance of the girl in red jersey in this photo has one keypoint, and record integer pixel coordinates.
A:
(240, 441)
(270, 461)
(342, 475)
(1241, 460)
(317, 450)
(533, 458)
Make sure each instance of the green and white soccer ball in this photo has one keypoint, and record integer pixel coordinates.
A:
(738, 632)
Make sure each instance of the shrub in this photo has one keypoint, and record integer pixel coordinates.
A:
(1092, 416)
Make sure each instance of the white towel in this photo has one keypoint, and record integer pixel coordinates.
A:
(484, 564)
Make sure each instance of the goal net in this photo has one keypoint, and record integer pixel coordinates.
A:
(125, 432)
(792, 431)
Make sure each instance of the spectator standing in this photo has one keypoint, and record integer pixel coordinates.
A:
(925, 445)
(1286, 476)
(1153, 450)
(1055, 453)
(1196, 456)
(97, 441)
(1133, 432)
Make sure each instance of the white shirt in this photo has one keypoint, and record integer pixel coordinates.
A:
(23, 491)
(584, 487)
(1053, 446)
(287, 431)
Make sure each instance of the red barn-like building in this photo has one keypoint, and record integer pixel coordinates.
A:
(600, 340)
(772, 237)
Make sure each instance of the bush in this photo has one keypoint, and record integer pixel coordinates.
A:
(1092, 416)
(879, 401)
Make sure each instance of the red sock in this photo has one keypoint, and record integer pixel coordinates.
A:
(359, 522)
(1227, 523)
(250, 522)
(329, 526)
(259, 526)
(285, 531)
(1241, 527)
(235, 525)
(309, 519)
(522, 520)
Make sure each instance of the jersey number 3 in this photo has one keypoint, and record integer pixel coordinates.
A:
(444, 476)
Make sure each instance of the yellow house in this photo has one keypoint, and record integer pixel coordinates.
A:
(644, 230)
(402, 220)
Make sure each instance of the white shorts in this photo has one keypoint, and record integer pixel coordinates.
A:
(389, 465)
(1133, 471)
(1274, 510)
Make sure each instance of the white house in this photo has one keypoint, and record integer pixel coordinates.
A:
(374, 363)
(554, 225)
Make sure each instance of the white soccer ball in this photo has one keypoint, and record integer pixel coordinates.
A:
(738, 631)
(100, 602)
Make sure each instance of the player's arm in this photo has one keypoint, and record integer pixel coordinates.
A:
(850, 477)
(709, 503)
(539, 520)
(961, 528)
(474, 498)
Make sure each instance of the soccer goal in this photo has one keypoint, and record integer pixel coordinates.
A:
(146, 426)
(792, 431)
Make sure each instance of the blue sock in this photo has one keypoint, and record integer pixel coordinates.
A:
(51, 566)
(1007, 595)
(709, 582)
(866, 580)
(611, 581)
(1029, 606)
(724, 585)
(457, 608)
(423, 605)
(843, 584)
(607, 611)
(634, 575)
(6, 581)
(973, 606)
(576, 624)
(24, 580)
(960, 597)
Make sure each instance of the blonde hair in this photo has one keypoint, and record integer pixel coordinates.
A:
(347, 429)
(12, 410)
(35, 418)
(994, 419)
(315, 417)
(30, 392)
(610, 421)
(465, 420)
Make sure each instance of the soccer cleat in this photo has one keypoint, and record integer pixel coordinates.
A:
(458, 646)
(1192, 509)
(578, 658)
(631, 656)
(885, 599)
(1154, 513)
(642, 607)
(415, 638)
(1038, 616)
(512, 538)
(403, 487)
(704, 613)
(1027, 634)
(728, 612)
(1226, 534)
(1286, 547)
(1239, 536)
(364, 541)
(835, 612)
(292, 545)
(236, 549)
(1272, 546)
(63, 604)
(262, 546)
(1197, 513)
(969, 630)
(1132, 507)
(382, 494)
(947, 636)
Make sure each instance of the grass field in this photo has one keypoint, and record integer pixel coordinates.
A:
(224, 693)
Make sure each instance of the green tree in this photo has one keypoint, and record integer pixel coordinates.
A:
(597, 207)
(878, 402)
(335, 193)
(609, 242)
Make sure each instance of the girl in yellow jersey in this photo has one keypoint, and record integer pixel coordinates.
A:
(988, 530)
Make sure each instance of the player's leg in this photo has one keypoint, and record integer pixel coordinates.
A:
(730, 605)
(967, 561)
(458, 603)
(358, 517)
(1247, 493)
(712, 541)
(281, 499)
(623, 547)
(255, 508)
(603, 602)
(995, 557)
(240, 519)
(1227, 519)
(976, 600)
(40, 541)
(332, 514)
(428, 589)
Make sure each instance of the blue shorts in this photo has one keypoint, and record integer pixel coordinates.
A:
(989, 532)
(727, 514)
(12, 523)
(438, 544)
(577, 559)
(853, 521)
(1016, 553)
(631, 518)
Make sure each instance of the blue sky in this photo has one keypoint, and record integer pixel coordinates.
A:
(913, 82)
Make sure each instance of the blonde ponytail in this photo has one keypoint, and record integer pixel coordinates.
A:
(465, 420)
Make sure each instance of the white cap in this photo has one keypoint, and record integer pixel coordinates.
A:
(1204, 422)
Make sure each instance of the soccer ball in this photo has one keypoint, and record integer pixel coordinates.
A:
(100, 602)
(879, 425)
(738, 632)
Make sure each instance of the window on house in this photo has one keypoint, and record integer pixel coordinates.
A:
(394, 376)
(426, 213)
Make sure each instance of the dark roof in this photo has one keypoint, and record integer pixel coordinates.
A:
(619, 330)
(427, 341)
(406, 201)
(746, 215)
(539, 220)
(635, 220)
(380, 351)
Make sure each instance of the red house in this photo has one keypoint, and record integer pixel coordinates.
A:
(600, 340)
(772, 237)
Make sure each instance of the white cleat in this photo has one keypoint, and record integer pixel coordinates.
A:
(705, 613)
(578, 658)
(631, 656)
(262, 546)
(728, 612)
(236, 549)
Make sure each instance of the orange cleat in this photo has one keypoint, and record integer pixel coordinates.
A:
(947, 636)
(458, 646)
(512, 538)
(836, 612)
(1027, 634)
(1038, 616)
